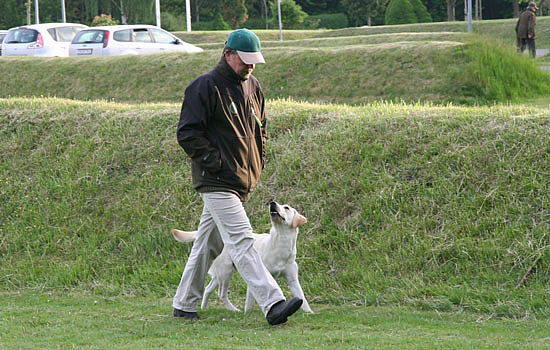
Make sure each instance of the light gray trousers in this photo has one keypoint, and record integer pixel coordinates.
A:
(224, 223)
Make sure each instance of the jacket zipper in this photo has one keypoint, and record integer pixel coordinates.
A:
(249, 142)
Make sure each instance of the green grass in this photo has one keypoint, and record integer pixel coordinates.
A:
(422, 217)
(51, 320)
(436, 207)
(502, 29)
(407, 67)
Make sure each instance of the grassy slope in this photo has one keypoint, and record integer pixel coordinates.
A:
(499, 29)
(443, 208)
(354, 65)
(360, 73)
(502, 30)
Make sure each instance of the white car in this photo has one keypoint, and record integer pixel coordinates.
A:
(2, 36)
(127, 40)
(45, 39)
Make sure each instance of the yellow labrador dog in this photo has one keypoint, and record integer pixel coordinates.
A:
(277, 250)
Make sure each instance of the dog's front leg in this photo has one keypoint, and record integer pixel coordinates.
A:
(291, 276)
(249, 302)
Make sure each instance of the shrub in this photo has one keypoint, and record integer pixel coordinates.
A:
(216, 24)
(330, 20)
(172, 22)
(421, 12)
(104, 20)
(400, 12)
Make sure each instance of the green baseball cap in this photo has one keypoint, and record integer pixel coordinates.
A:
(247, 45)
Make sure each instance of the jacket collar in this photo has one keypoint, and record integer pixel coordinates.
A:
(227, 72)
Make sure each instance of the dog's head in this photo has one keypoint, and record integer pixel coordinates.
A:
(286, 215)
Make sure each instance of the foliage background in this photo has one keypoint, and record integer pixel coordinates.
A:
(250, 14)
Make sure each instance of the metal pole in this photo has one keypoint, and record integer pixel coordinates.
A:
(188, 14)
(280, 20)
(36, 14)
(157, 5)
(470, 16)
(63, 15)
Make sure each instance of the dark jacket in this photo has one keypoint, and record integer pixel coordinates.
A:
(526, 24)
(222, 128)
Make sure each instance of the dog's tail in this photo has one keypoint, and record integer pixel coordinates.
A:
(184, 236)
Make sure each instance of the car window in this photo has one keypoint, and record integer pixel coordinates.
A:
(89, 37)
(63, 34)
(142, 36)
(66, 33)
(162, 37)
(21, 36)
(52, 33)
(123, 35)
(2, 36)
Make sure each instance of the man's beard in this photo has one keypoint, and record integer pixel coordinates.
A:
(245, 73)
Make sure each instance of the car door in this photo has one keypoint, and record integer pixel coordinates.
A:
(143, 41)
(164, 41)
(122, 43)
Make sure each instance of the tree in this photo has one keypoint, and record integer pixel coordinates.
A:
(422, 14)
(234, 12)
(291, 13)
(400, 12)
(357, 10)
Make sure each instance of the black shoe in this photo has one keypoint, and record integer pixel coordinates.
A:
(280, 311)
(188, 315)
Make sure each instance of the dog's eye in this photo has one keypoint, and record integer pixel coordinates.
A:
(286, 207)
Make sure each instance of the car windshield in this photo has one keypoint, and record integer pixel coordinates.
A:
(21, 36)
(89, 37)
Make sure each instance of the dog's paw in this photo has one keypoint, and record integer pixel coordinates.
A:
(184, 236)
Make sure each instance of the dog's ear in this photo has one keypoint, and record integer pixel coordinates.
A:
(298, 220)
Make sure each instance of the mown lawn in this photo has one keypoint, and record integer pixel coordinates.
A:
(67, 320)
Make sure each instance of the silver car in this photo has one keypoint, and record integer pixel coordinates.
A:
(45, 39)
(127, 40)
(2, 36)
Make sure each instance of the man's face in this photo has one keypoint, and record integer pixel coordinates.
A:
(242, 69)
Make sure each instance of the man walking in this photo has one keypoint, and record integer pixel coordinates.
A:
(222, 128)
(525, 29)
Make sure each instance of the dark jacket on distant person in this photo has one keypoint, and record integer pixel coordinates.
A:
(525, 25)
(222, 128)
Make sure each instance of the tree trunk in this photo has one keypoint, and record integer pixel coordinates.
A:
(477, 10)
(451, 10)
(515, 5)
(123, 16)
(197, 15)
(369, 18)
(28, 5)
(266, 18)
(480, 10)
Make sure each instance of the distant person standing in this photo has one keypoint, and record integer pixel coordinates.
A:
(525, 29)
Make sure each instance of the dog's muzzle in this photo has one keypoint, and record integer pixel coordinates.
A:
(274, 210)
